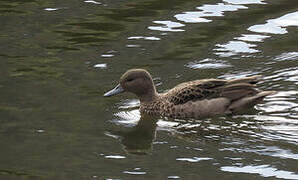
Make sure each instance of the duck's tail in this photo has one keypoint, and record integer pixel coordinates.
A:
(250, 80)
(248, 102)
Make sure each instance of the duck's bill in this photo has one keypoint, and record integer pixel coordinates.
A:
(117, 90)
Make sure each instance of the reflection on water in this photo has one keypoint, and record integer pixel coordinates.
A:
(208, 64)
(207, 11)
(107, 55)
(273, 26)
(194, 159)
(287, 56)
(173, 177)
(127, 104)
(114, 157)
(91, 1)
(277, 26)
(101, 66)
(52, 9)
(287, 74)
(245, 2)
(138, 139)
(234, 48)
(136, 171)
(263, 170)
(145, 38)
(167, 26)
(252, 37)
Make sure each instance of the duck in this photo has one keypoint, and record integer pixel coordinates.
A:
(193, 99)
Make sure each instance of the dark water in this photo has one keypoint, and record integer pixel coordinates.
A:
(57, 58)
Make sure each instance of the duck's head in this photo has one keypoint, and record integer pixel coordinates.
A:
(137, 81)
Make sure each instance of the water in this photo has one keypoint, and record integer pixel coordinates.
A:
(58, 58)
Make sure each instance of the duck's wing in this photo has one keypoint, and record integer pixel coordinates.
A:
(212, 88)
(194, 90)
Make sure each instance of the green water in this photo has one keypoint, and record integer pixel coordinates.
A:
(57, 58)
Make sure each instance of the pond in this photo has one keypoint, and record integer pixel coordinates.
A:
(58, 58)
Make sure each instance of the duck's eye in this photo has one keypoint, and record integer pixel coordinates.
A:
(130, 79)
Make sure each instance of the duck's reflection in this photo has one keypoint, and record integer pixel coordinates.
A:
(137, 132)
(139, 138)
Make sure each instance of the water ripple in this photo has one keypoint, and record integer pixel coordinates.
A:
(263, 170)
(136, 171)
(245, 1)
(273, 26)
(272, 151)
(287, 74)
(277, 26)
(101, 66)
(129, 103)
(207, 11)
(173, 177)
(287, 56)
(115, 157)
(169, 26)
(235, 47)
(92, 2)
(128, 118)
(208, 64)
(252, 37)
(194, 159)
(51, 9)
(152, 38)
(278, 106)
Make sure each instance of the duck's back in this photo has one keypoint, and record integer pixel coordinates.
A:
(209, 97)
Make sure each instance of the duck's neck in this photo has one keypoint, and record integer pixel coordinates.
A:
(150, 96)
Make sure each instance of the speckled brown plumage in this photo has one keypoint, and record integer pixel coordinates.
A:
(194, 99)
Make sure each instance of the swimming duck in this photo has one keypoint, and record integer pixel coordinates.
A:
(193, 99)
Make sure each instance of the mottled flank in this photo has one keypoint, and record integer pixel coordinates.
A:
(194, 99)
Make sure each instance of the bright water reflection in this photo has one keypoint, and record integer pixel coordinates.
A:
(263, 170)
(234, 48)
(208, 64)
(273, 26)
(169, 26)
(278, 25)
(207, 11)
(252, 37)
(245, 2)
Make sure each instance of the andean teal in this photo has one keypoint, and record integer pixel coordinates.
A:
(193, 99)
